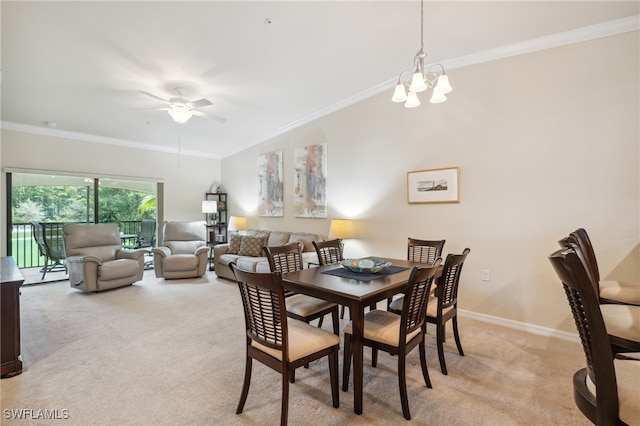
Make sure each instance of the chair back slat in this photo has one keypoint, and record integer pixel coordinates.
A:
(264, 307)
(448, 288)
(424, 251)
(287, 258)
(329, 252)
(414, 309)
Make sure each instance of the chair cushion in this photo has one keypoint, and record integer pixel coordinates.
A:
(180, 262)
(622, 320)
(628, 381)
(383, 327)
(303, 305)
(620, 291)
(432, 307)
(115, 269)
(304, 339)
(252, 246)
(184, 247)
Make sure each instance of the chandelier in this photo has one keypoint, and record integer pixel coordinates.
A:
(410, 83)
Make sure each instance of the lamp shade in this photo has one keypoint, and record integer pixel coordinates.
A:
(341, 228)
(412, 100)
(209, 206)
(237, 223)
(180, 115)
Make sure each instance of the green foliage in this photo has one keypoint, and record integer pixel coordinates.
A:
(75, 204)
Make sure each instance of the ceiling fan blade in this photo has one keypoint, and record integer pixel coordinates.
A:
(211, 116)
(200, 103)
(150, 109)
(154, 96)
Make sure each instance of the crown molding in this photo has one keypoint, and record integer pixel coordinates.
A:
(84, 137)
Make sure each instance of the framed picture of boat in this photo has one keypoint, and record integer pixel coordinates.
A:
(433, 186)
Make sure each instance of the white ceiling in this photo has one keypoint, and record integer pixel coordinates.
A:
(81, 64)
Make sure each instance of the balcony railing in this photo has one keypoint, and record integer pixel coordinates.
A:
(24, 248)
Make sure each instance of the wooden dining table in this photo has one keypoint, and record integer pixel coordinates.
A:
(355, 294)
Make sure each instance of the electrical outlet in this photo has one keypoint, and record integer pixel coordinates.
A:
(485, 275)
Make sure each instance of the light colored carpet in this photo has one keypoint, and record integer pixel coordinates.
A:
(172, 353)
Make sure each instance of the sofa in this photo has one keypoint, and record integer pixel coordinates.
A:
(96, 260)
(246, 250)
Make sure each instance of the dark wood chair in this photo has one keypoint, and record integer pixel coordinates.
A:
(280, 343)
(444, 306)
(419, 251)
(50, 240)
(288, 258)
(397, 334)
(617, 381)
(609, 291)
(622, 320)
(330, 252)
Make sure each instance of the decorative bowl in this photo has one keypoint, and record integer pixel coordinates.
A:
(366, 266)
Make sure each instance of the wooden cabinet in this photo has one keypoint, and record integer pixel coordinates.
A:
(216, 226)
(10, 281)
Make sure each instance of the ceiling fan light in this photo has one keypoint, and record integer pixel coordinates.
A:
(180, 115)
(400, 94)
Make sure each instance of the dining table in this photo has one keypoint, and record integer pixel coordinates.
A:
(357, 291)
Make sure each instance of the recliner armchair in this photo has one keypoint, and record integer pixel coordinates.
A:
(184, 251)
(95, 257)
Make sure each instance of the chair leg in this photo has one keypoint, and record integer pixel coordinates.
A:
(284, 411)
(456, 335)
(336, 321)
(333, 375)
(423, 363)
(46, 266)
(346, 362)
(342, 312)
(374, 357)
(245, 385)
(402, 383)
(320, 322)
(440, 342)
(292, 375)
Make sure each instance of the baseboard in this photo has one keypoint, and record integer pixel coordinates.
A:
(521, 326)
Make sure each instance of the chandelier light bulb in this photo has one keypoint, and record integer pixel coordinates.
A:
(412, 100)
(443, 85)
(437, 97)
(180, 115)
(400, 94)
(417, 83)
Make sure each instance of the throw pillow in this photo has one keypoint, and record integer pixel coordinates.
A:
(234, 243)
(252, 246)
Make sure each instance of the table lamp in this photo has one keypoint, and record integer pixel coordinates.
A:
(341, 229)
(237, 223)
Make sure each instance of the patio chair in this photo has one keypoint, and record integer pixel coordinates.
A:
(50, 242)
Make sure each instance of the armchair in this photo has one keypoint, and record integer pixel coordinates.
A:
(95, 257)
(184, 251)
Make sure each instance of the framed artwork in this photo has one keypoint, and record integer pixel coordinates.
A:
(310, 181)
(433, 186)
(270, 194)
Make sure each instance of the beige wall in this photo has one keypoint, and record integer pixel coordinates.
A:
(546, 142)
(186, 178)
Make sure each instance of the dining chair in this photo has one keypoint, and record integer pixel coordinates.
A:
(419, 251)
(330, 252)
(397, 334)
(280, 343)
(622, 320)
(288, 258)
(607, 390)
(444, 306)
(609, 291)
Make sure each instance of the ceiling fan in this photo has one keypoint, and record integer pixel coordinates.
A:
(181, 109)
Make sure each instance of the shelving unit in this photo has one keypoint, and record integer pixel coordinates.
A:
(217, 230)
